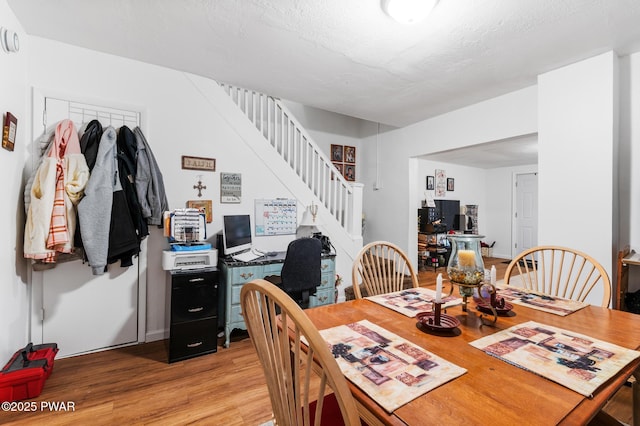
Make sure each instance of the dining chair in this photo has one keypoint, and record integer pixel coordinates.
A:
(291, 351)
(382, 267)
(559, 271)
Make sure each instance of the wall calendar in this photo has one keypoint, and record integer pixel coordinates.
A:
(276, 217)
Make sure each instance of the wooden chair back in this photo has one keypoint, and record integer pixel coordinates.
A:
(278, 328)
(559, 271)
(381, 267)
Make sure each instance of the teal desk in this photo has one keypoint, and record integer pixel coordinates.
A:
(235, 274)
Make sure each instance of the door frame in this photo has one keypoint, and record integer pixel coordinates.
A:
(35, 283)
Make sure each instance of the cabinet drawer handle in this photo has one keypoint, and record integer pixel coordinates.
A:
(325, 266)
(246, 275)
(323, 298)
(324, 282)
(195, 280)
(194, 345)
(195, 309)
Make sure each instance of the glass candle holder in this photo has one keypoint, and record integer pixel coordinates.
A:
(465, 266)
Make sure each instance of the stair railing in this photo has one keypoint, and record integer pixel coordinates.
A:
(291, 141)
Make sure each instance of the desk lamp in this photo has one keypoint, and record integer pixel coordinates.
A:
(309, 222)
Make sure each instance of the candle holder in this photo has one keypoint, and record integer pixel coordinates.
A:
(436, 320)
(466, 268)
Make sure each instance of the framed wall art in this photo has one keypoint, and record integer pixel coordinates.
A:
(9, 131)
(350, 172)
(450, 186)
(230, 187)
(350, 154)
(431, 183)
(337, 152)
(204, 206)
(199, 163)
(441, 183)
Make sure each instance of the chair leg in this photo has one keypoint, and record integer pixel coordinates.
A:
(635, 395)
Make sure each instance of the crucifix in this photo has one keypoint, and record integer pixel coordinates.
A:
(199, 186)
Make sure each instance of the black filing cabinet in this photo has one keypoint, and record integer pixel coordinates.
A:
(192, 313)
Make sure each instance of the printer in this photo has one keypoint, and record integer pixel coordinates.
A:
(186, 230)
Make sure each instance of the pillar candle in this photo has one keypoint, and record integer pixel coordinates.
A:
(493, 274)
(439, 288)
(466, 258)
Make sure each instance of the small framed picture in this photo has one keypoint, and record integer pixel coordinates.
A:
(340, 168)
(450, 186)
(431, 182)
(350, 154)
(204, 206)
(350, 172)
(337, 153)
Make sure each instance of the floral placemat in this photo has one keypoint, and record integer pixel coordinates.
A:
(391, 370)
(539, 301)
(411, 301)
(576, 361)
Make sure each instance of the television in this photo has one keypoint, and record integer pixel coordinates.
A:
(236, 233)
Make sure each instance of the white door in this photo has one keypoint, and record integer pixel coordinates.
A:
(71, 307)
(526, 215)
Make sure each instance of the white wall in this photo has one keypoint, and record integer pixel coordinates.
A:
(14, 296)
(390, 210)
(178, 119)
(577, 142)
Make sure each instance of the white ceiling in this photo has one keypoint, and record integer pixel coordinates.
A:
(347, 56)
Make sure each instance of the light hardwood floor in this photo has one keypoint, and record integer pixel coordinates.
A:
(136, 386)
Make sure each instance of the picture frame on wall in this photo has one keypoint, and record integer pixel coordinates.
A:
(337, 152)
(450, 184)
(350, 172)
(350, 154)
(431, 183)
(340, 168)
(204, 206)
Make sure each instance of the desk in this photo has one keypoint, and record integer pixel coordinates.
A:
(235, 274)
(492, 391)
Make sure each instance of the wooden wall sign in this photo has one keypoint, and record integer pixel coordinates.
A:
(199, 163)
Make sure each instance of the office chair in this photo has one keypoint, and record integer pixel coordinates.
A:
(292, 352)
(301, 271)
(558, 271)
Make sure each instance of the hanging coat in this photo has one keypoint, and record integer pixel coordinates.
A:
(149, 182)
(57, 187)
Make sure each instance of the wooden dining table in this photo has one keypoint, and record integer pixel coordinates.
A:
(492, 391)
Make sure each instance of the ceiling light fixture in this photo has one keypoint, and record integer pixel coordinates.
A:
(408, 11)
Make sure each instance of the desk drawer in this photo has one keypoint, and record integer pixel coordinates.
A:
(194, 338)
(322, 297)
(272, 269)
(194, 301)
(246, 274)
(193, 277)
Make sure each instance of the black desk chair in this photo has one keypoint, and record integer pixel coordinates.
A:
(301, 272)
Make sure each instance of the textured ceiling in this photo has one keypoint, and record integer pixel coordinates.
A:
(347, 56)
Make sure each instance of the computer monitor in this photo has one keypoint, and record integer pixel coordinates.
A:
(236, 233)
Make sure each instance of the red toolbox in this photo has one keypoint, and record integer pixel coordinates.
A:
(24, 375)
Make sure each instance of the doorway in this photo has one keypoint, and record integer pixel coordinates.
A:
(79, 311)
(526, 212)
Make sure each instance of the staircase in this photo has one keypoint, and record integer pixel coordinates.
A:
(337, 197)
